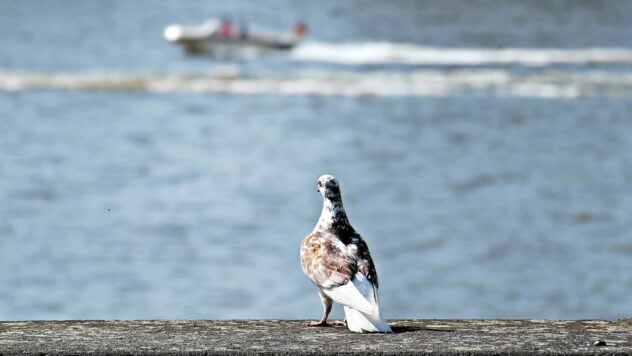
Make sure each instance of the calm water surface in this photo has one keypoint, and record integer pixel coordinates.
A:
(490, 174)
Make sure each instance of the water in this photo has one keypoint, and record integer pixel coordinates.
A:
(482, 148)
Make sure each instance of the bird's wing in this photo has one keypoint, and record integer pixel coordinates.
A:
(334, 268)
(365, 262)
(325, 260)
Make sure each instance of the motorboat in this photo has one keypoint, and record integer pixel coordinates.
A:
(217, 37)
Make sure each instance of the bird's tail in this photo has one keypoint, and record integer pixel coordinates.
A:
(365, 323)
(362, 308)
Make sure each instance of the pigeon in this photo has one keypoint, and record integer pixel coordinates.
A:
(337, 260)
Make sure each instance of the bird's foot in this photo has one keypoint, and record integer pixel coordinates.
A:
(338, 323)
(321, 323)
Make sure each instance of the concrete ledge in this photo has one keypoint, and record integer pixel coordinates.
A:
(457, 337)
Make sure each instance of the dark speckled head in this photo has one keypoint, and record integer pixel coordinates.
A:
(328, 186)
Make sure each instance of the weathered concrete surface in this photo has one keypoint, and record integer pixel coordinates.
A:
(463, 337)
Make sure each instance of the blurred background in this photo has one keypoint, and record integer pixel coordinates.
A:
(483, 148)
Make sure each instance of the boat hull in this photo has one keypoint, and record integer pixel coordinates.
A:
(206, 40)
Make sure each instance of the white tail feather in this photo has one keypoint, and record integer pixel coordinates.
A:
(362, 309)
(350, 295)
(362, 323)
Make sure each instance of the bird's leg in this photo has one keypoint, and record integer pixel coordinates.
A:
(327, 303)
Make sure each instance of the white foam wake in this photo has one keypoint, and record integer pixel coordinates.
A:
(392, 53)
(418, 83)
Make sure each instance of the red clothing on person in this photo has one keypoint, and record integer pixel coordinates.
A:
(226, 30)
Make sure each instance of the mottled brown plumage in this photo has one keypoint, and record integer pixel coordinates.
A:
(326, 261)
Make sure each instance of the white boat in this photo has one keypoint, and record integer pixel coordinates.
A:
(220, 37)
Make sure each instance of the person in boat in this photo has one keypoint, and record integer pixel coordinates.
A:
(300, 29)
(226, 28)
(243, 30)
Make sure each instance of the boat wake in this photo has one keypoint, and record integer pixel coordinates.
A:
(548, 83)
(410, 54)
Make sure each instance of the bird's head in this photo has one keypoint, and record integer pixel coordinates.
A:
(328, 187)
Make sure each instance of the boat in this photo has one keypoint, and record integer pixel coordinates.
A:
(220, 36)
